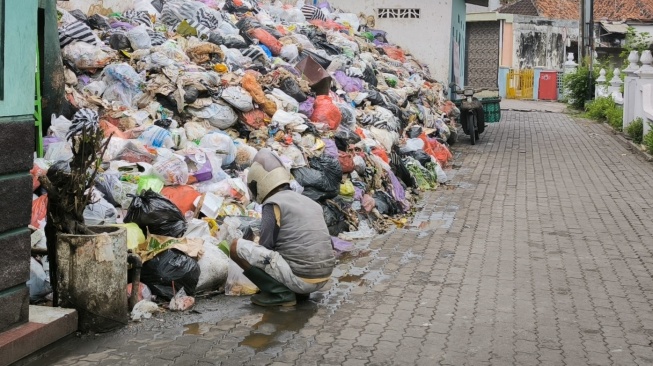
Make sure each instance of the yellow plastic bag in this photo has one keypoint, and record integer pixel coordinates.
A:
(347, 189)
(135, 235)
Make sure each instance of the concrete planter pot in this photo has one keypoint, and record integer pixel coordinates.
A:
(92, 277)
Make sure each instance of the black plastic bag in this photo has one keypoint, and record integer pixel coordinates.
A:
(399, 168)
(414, 131)
(168, 267)
(79, 15)
(375, 97)
(345, 137)
(216, 38)
(97, 21)
(420, 156)
(59, 173)
(334, 218)
(290, 87)
(190, 94)
(370, 76)
(385, 203)
(233, 41)
(163, 123)
(322, 61)
(119, 41)
(158, 5)
(156, 214)
(322, 180)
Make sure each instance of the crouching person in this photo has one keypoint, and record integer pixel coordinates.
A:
(294, 256)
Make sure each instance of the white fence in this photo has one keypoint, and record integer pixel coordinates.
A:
(638, 90)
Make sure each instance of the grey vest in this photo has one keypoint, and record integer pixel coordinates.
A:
(304, 240)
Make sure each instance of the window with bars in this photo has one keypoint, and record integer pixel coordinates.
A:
(398, 13)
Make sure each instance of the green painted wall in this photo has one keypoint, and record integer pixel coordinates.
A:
(458, 24)
(20, 57)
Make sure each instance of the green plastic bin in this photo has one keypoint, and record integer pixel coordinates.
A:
(491, 108)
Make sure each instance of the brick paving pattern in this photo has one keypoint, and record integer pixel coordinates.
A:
(538, 252)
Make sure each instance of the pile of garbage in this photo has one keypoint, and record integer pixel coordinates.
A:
(189, 91)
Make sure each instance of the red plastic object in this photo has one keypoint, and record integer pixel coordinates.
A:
(548, 85)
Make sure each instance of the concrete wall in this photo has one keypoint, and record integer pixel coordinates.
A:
(427, 38)
(507, 45)
(492, 5)
(458, 34)
(16, 150)
(541, 42)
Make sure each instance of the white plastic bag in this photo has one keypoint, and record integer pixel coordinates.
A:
(100, 212)
(156, 136)
(39, 281)
(139, 39)
(181, 301)
(214, 266)
(442, 176)
(86, 56)
(237, 284)
(284, 101)
(221, 144)
(143, 310)
(238, 97)
(218, 115)
(95, 88)
(290, 53)
(171, 169)
(196, 130)
(284, 118)
(59, 151)
(59, 126)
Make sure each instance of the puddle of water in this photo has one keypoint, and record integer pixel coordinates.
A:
(196, 328)
(350, 278)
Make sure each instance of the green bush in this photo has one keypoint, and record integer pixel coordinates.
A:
(636, 130)
(578, 86)
(615, 117)
(648, 141)
(598, 109)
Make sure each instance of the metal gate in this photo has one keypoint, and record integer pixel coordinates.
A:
(519, 84)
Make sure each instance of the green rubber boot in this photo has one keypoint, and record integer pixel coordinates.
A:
(273, 292)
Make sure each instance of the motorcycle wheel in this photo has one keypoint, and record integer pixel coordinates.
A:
(471, 122)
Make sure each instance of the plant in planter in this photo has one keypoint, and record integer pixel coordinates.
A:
(88, 265)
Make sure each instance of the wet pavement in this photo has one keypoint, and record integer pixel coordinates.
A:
(538, 251)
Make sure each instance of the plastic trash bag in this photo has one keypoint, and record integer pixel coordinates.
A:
(139, 39)
(172, 169)
(181, 301)
(306, 107)
(345, 137)
(290, 86)
(237, 284)
(100, 212)
(322, 180)
(219, 115)
(155, 214)
(326, 112)
(134, 152)
(220, 143)
(290, 53)
(284, 101)
(238, 97)
(334, 218)
(39, 281)
(85, 55)
(385, 203)
(214, 267)
(156, 136)
(143, 310)
(171, 267)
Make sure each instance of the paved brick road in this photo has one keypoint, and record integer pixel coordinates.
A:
(538, 253)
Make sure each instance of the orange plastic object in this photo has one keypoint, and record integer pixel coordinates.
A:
(324, 111)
